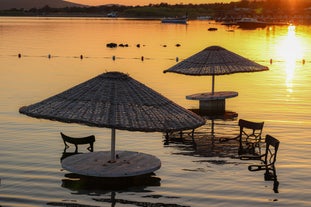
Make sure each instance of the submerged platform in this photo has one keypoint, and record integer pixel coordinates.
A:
(212, 103)
(98, 164)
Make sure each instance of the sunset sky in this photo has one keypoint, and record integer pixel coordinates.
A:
(146, 2)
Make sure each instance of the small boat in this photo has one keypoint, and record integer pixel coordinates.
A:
(250, 23)
(204, 18)
(178, 20)
(112, 14)
(212, 29)
(278, 23)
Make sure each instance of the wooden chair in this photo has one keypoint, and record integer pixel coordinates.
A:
(78, 141)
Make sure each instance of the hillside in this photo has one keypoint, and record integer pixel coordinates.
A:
(28, 4)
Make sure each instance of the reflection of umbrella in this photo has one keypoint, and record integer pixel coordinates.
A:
(213, 61)
(116, 101)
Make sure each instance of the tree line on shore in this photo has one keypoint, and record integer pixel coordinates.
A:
(272, 8)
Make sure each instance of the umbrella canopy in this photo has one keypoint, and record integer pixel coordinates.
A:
(213, 61)
(115, 100)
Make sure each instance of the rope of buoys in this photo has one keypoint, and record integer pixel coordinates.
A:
(303, 61)
(138, 45)
(142, 58)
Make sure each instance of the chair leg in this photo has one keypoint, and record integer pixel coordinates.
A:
(167, 139)
(193, 140)
(91, 147)
(66, 146)
(76, 151)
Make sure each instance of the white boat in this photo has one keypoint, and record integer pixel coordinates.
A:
(178, 20)
(112, 14)
(250, 23)
(204, 18)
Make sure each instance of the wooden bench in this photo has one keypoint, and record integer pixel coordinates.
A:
(78, 141)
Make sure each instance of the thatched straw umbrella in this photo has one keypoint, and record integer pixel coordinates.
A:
(115, 100)
(215, 60)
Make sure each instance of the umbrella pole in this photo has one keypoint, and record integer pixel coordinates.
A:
(113, 145)
(213, 84)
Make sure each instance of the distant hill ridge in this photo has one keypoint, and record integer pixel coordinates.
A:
(28, 4)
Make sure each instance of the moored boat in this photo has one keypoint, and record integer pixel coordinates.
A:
(178, 20)
(212, 29)
(250, 23)
(112, 14)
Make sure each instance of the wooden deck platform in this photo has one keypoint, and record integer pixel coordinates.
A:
(212, 103)
(98, 164)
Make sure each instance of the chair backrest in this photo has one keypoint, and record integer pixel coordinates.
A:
(272, 146)
(78, 141)
(250, 137)
(250, 131)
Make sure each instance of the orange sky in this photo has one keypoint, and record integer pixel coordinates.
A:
(146, 2)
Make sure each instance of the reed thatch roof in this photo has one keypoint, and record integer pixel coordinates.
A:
(115, 100)
(215, 60)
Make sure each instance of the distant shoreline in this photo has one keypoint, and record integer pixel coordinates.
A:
(268, 11)
(84, 16)
(226, 13)
(94, 16)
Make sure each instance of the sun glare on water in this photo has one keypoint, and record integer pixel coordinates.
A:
(290, 50)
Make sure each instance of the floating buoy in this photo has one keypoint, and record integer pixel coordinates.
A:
(271, 61)
(113, 58)
(138, 45)
(49, 56)
(142, 58)
(81, 57)
(177, 59)
(111, 45)
(177, 45)
(303, 61)
(19, 55)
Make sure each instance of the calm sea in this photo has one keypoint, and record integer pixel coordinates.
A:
(50, 62)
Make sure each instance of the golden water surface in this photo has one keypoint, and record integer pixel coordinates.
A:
(58, 53)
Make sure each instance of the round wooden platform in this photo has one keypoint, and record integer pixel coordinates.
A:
(219, 95)
(98, 164)
(212, 103)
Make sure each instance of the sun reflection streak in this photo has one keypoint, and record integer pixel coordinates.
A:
(290, 50)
